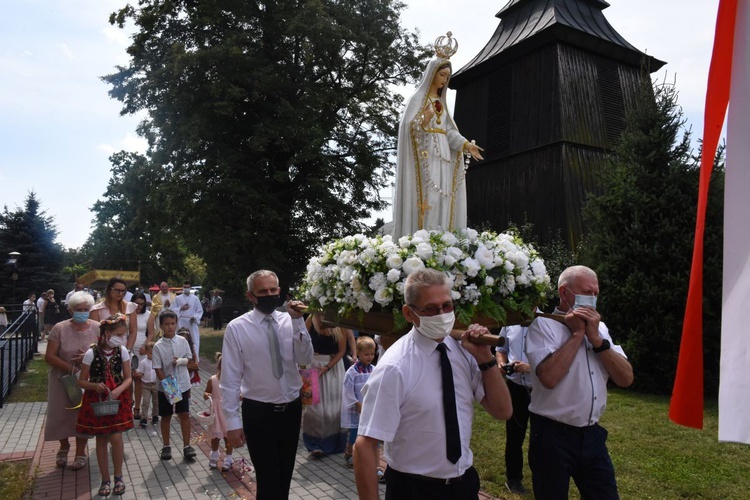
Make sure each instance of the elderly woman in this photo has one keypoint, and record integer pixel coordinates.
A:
(114, 302)
(68, 341)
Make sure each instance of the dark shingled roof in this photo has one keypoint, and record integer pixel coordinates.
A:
(529, 24)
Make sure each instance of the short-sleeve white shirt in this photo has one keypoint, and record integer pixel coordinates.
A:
(88, 357)
(579, 399)
(403, 405)
(164, 353)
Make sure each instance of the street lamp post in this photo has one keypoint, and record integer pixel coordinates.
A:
(13, 265)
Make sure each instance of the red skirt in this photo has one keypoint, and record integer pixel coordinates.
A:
(91, 425)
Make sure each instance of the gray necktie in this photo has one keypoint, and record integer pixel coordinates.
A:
(273, 345)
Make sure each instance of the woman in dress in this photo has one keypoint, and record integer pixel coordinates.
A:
(68, 341)
(114, 303)
(430, 172)
(50, 311)
(144, 333)
(321, 423)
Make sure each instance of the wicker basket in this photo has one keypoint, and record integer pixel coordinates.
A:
(106, 408)
(207, 417)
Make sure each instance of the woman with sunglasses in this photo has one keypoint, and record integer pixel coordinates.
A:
(114, 302)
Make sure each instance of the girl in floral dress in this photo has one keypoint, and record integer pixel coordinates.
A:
(218, 429)
(105, 370)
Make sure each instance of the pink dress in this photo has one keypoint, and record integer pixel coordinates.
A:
(219, 428)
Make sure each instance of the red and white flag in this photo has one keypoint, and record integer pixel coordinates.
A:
(728, 86)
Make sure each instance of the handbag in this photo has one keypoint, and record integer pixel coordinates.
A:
(72, 389)
(171, 389)
(310, 392)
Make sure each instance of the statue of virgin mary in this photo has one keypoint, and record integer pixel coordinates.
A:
(430, 171)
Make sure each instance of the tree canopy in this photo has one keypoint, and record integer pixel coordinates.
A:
(640, 238)
(29, 231)
(270, 124)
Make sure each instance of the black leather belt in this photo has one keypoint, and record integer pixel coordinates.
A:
(427, 479)
(275, 407)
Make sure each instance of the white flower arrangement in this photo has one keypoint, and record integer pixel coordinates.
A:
(491, 273)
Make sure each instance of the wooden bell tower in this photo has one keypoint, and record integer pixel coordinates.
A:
(547, 98)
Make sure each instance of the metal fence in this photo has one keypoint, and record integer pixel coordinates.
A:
(18, 343)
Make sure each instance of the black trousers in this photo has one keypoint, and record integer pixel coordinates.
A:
(272, 438)
(400, 486)
(216, 315)
(515, 430)
(559, 451)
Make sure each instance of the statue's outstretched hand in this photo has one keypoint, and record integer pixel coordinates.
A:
(474, 151)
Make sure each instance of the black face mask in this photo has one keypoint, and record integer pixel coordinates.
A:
(267, 304)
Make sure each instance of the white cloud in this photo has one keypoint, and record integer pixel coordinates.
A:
(131, 142)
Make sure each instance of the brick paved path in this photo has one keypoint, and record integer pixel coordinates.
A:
(146, 476)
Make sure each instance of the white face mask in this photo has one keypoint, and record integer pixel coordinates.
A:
(115, 342)
(436, 327)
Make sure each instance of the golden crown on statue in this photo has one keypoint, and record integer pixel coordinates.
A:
(446, 46)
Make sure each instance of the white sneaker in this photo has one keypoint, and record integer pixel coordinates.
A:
(228, 462)
(213, 459)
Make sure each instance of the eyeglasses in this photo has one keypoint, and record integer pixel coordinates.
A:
(119, 290)
(434, 310)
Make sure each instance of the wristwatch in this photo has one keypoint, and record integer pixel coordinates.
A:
(603, 347)
(489, 364)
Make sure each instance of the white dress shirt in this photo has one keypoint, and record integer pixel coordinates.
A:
(246, 362)
(579, 399)
(403, 405)
(163, 355)
(514, 349)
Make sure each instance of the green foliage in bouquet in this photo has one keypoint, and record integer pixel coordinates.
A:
(491, 274)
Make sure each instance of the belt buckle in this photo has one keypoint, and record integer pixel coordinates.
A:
(279, 408)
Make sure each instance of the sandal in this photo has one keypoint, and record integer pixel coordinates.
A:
(61, 459)
(78, 463)
(105, 489)
(119, 486)
(137, 414)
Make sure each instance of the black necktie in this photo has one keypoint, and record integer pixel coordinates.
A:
(452, 436)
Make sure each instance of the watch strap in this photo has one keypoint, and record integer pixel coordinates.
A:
(486, 366)
(603, 347)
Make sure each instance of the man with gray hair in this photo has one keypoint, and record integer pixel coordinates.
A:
(570, 365)
(260, 357)
(420, 399)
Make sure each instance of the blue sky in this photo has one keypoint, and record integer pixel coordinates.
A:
(59, 126)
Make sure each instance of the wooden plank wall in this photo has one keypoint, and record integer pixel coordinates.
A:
(548, 122)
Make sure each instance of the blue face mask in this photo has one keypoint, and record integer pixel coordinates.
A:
(80, 317)
(585, 300)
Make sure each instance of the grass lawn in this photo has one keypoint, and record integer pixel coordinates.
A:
(653, 458)
(211, 342)
(15, 480)
(32, 385)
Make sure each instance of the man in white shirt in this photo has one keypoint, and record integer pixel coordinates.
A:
(29, 309)
(162, 300)
(261, 355)
(77, 288)
(40, 308)
(408, 403)
(189, 312)
(511, 356)
(570, 366)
